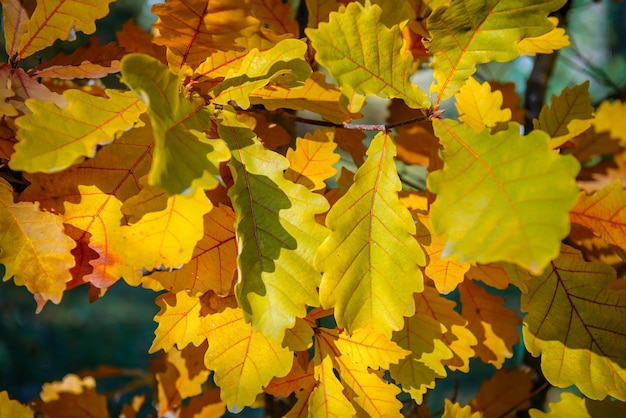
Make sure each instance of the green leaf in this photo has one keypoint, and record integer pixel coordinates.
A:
(576, 323)
(183, 156)
(276, 231)
(72, 132)
(284, 64)
(464, 34)
(365, 56)
(501, 197)
(371, 259)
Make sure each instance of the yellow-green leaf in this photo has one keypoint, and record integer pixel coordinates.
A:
(576, 323)
(59, 19)
(365, 56)
(568, 115)
(546, 43)
(501, 197)
(283, 64)
(33, 247)
(479, 107)
(72, 132)
(569, 405)
(464, 34)
(183, 156)
(277, 233)
(244, 360)
(371, 259)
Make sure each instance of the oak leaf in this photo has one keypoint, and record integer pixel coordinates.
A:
(49, 22)
(371, 259)
(313, 160)
(493, 324)
(365, 56)
(135, 39)
(479, 107)
(455, 410)
(569, 405)
(611, 117)
(72, 394)
(275, 16)
(462, 36)
(184, 157)
(368, 348)
(33, 247)
(16, 16)
(509, 390)
(276, 232)
(586, 348)
(13, 409)
(193, 29)
(515, 193)
(71, 135)
(546, 43)
(328, 397)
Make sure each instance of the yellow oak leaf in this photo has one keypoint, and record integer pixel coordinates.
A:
(313, 160)
(244, 360)
(611, 117)
(509, 390)
(214, 260)
(179, 321)
(300, 380)
(277, 233)
(371, 259)
(74, 131)
(494, 200)
(191, 30)
(368, 348)
(422, 336)
(208, 405)
(455, 410)
(328, 397)
(569, 115)
(546, 43)
(16, 16)
(494, 275)
(604, 212)
(479, 107)
(457, 337)
(351, 45)
(13, 409)
(299, 337)
(33, 246)
(23, 87)
(52, 20)
(316, 95)
(493, 324)
(569, 405)
(575, 322)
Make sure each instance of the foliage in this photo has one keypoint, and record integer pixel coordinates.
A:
(276, 272)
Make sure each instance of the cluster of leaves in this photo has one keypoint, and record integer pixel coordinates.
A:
(188, 181)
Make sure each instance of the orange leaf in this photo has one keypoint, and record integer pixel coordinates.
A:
(192, 30)
(134, 39)
(214, 260)
(33, 247)
(509, 390)
(300, 378)
(319, 11)
(276, 15)
(604, 212)
(313, 159)
(16, 15)
(89, 61)
(490, 321)
(23, 87)
(72, 394)
(494, 275)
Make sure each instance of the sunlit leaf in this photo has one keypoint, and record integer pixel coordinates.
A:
(328, 398)
(244, 360)
(57, 19)
(33, 247)
(455, 410)
(569, 405)
(568, 115)
(72, 394)
(611, 117)
(479, 107)
(276, 15)
(499, 202)
(371, 259)
(183, 156)
(365, 56)
(493, 324)
(276, 233)
(179, 321)
(546, 43)
(463, 35)
(367, 348)
(313, 159)
(71, 135)
(15, 15)
(576, 324)
(192, 29)
(283, 64)
(13, 409)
